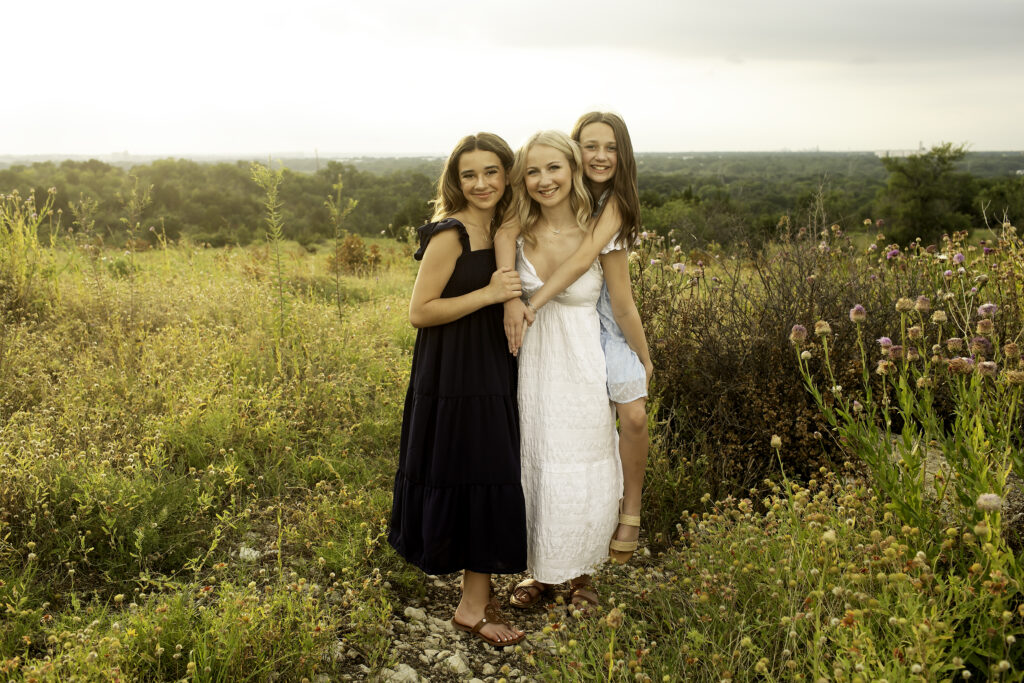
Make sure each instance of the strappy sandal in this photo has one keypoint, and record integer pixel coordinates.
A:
(528, 593)
(582, 596)
(621, 551)
(491, 616)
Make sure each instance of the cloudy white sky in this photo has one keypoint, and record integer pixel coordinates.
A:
(411, 77)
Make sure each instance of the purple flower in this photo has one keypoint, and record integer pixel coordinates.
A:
(884, 342)
(679, 267)
(981, 346)
(798, 334)
(987, 250)
(858, 314)
(947, 274)
(958, 258)
(988, 368)
(987, 310)
(892, 253)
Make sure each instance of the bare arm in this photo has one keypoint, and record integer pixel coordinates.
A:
(515, 309)
(428, 308)
(620, 292)
(608, 224)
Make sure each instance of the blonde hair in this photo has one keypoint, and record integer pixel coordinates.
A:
(449, 199)
(526, 208)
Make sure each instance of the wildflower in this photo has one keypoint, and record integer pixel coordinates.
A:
(884, 342)
(614, 618)
(948, 274)
(885, 367)
(915, 332)
(958, 258)
(776, 441)
(939, 316)
(924, 382)
(821, 328)
(829, 536)
(806, 355)
(985, 326)
(858, 314)
(954, 343)
(988, 368)
(798, 334)
(981, 346)
(892, 253)
(1011, 351)
(960, 365)
(895, 352)
(867, 221)
(679, 267)
(987, 310)
(989, 502)
(913, 353)
(1014, 377)
(923, 304)
(904, 305)
(857, 406)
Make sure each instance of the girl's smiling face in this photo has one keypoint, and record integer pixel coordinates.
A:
(600, 154)
(482, 178)
(548, 176)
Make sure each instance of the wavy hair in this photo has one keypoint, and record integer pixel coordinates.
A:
(527, 209)
(624, 187)
(449, 198)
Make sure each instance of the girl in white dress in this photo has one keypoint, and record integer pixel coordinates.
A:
(571, 475)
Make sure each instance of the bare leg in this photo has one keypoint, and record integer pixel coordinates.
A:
(633, 446)
(476, 593)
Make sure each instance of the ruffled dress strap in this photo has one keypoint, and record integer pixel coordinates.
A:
(430, 229)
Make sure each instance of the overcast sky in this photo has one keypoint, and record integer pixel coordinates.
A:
(411, 77)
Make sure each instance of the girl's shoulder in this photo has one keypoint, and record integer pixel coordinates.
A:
(429, 230)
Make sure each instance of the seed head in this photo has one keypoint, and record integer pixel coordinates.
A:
(988, 368)
(806, 355)
(985, 326)
(776, 441)
(1015, 377)
(858, 314)
(981, 346)
(954, 343)
(1011, 351)
(885, 367)
(822, 328)
(798, 334)
(614, 618)
(923, 304)
(989, 502)
(960, 365)
(939, 316)
(884, 342)
(915, 332)
(904, 305)
(924, 382)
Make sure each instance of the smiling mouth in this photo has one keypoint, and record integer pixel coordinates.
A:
(547, 193)
(601, 169)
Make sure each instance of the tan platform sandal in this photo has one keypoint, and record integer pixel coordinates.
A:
(582, 596)
(622, 551)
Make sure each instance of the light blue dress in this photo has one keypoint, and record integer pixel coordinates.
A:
(627, 379)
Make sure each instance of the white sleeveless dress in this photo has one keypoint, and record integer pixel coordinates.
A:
(571, 473)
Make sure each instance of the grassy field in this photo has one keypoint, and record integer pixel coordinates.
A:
(196, 455)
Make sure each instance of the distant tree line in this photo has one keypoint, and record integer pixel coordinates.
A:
(697, 198)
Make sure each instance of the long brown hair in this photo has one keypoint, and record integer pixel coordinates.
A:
(624, 187)
(449, 197)
(579, 198)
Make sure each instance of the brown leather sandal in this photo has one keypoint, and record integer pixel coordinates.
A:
(528, 593)
(491, 616)
(621, 551)
(582, 596)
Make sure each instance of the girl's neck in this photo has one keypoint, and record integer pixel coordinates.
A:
(560, 216)
(477, 218)
(597, 189)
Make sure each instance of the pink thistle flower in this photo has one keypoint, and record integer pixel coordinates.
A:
(798, 334)
(858, 314)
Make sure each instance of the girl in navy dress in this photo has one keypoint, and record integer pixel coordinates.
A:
(458, 501)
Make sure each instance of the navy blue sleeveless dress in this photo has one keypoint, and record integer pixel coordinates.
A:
(458, 501)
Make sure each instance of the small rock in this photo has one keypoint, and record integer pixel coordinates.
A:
(489, 669)
(415, 613)
(403, 673)
(457, 664)
(443, 654)
(247, 554)
(429, 652)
